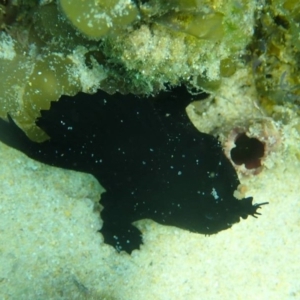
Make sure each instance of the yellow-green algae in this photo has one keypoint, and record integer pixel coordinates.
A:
(96, 18)
(49, 48)
(275, 54)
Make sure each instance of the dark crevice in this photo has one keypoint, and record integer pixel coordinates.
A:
(248, 151)
(281, 21)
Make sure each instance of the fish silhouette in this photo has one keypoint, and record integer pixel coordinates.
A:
(151, 160)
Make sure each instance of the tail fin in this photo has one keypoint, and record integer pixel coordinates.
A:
(13, 136)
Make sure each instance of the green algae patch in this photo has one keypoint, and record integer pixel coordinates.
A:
(31, 87)
(96, 18)
(31, 80)
(203, 26)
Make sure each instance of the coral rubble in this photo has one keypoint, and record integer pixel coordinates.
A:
(50, 48)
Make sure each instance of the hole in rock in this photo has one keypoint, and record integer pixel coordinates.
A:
(248, 151)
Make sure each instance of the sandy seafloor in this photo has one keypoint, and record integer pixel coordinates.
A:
(50, 247)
